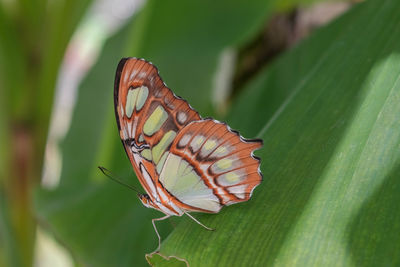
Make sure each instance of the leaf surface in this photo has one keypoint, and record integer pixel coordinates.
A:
(328, 112)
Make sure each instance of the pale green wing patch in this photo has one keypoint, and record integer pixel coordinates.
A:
(159, 149)
(131, 98)
(155, 121)
(184, 183)
(135, 99)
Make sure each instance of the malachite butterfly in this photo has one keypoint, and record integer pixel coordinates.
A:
(185, 163)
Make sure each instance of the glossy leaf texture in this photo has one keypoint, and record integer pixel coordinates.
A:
(100, 222)
(328, 112)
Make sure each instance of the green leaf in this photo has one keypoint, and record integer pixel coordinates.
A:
(328, 112)
(155, 258)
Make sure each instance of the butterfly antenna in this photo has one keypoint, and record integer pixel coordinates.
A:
(110, 175)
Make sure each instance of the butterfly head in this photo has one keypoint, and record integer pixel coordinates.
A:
(147, 202)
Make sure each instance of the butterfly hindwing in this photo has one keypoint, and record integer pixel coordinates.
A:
(209, 166)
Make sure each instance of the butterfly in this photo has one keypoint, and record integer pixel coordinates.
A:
(184, 163)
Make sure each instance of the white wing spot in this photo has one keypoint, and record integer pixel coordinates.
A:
(196, 142)
(221, 151)
(142, 75)
(231, 178)
(181, 117)
(158, 93)
(184, 140)
(126, 77)
(125, 133)
(129, 129)
(168, 102)
(225, 164)
(238, 190)
(121, 110)
(133, 74)
(208, 146)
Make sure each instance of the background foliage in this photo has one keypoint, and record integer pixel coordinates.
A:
(33, 38)
(327, 110)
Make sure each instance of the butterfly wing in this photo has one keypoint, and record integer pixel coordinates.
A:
(182, 161)
(149, 117)
(209, 166)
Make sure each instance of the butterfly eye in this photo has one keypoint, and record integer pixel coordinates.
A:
(146, 201)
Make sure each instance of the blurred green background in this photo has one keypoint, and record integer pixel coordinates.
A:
(318, 81)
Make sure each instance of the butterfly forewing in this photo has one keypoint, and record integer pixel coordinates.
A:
(146, 107)
(149, 116)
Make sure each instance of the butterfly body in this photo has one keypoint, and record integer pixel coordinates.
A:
(184, 163)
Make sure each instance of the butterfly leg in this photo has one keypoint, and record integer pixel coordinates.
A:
(155, 228)
(194, 219)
